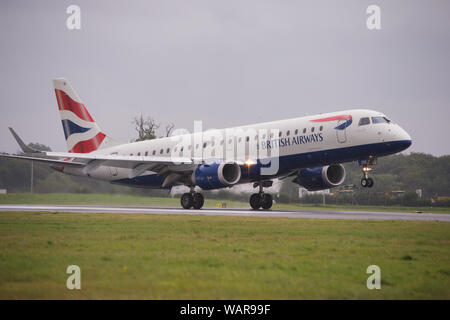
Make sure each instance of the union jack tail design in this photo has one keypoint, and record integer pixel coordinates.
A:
(82, 133)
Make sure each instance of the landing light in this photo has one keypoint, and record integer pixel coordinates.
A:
(249, 162)
(366, 169)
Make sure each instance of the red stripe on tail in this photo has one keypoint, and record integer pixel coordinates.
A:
(67, 103)
(88, 145)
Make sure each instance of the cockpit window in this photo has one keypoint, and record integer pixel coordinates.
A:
(380, 120)
(364, 121)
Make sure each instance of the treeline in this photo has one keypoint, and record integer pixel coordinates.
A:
(406, 173)
(396, 179)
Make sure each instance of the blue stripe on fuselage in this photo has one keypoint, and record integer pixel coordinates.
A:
(148, 181)
(294, 161)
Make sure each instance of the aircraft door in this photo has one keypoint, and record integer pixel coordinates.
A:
(341, 134)
(230, 148)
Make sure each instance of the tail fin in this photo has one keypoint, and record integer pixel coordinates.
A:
(82, 133)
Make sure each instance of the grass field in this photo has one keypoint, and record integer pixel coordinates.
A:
(202, 257)
(130, 200)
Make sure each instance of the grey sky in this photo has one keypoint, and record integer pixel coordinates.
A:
(225, 62)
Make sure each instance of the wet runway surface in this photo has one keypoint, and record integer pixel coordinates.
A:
(241, 212)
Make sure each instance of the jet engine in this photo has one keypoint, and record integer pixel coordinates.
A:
(216, 175)
(321, 178)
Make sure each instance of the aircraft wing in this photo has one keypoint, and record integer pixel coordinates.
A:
(176, 167)
(88, 162)
(114, 160)
(138, 164)
(44, 160)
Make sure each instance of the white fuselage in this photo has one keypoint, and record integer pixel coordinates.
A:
(300, 142)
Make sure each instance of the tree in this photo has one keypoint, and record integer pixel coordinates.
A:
(146, 128)
(169, 129)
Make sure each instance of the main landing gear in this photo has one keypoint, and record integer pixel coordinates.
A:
(261, 199)
(192, 199)
(367, 182)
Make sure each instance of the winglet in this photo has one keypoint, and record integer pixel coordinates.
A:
(22, 145)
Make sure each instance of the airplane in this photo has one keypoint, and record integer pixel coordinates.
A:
(309, 150)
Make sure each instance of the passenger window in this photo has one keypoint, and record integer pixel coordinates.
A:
(296, 131)
(379, 120)
(154, 152)
(321, 128)
(279, 134)
(204, 145)
(312, 129)
(363, 121)
(288, 133)
(247, 138)
(160, 152)
(304, 130)
(168, 149)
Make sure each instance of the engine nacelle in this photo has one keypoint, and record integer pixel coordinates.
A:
(321, 178)
(216, 175)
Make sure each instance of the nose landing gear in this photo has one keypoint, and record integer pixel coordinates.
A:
(367, 182)
(261, 199)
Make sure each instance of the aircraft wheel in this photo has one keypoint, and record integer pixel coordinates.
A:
(255, 201)
(187, 200)
(369, 182)
(198, 200)
(266, 201)
(364, 182)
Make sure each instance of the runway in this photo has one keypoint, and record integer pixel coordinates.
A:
(240, 212)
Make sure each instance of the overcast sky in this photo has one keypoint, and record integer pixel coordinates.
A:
(225, 62)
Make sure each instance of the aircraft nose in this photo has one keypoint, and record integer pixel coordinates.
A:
(404, 144)
(405, 135)
(404, 139)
